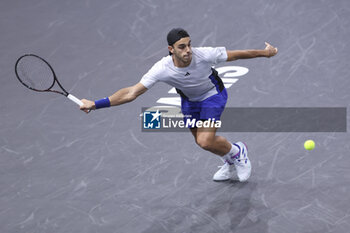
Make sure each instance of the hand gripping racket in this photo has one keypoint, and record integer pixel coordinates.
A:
(36, 74)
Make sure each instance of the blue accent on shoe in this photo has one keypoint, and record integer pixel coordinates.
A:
(228, 162)
(236, 156)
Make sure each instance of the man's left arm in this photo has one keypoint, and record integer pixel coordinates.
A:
(269, 51)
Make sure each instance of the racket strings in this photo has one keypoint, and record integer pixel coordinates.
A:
(35, 73)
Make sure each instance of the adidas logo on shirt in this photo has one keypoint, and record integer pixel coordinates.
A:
(187, 74)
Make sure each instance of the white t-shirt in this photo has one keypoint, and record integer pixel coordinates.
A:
(192, 80)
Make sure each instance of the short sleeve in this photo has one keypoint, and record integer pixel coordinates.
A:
(152, 76)
(212, 55)
(148, 81)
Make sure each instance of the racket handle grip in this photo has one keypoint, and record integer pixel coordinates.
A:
(75, 99)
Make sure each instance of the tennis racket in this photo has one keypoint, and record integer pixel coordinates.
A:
(37, 74)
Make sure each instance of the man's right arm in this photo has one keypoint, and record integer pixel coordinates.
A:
(122, 96)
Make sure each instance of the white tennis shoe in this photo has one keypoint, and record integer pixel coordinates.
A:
(241, 165)
(225, 172)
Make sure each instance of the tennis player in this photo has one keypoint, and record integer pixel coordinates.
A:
(203, 95)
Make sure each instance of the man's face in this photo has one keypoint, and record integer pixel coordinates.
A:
(182, 50)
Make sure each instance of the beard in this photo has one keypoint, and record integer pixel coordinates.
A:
(185, 59)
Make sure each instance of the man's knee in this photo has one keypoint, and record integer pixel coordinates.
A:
(205, 142)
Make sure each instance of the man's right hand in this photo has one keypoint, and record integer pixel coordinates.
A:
(87, 106)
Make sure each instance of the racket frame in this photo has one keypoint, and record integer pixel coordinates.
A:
(55, 80)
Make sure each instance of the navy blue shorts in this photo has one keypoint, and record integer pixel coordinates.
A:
(210, 108)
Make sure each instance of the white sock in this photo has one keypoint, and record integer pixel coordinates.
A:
(230, 155)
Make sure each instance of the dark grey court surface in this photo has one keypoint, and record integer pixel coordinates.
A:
(64, 171)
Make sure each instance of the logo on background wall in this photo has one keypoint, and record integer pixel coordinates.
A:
(151, 120)
(228, 74)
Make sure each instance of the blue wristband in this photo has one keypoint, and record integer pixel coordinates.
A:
(102, 103)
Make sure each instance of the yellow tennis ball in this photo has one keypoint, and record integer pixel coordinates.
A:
(309, 145)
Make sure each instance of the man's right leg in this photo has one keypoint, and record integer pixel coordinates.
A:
(207, 139)
(235, 155)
